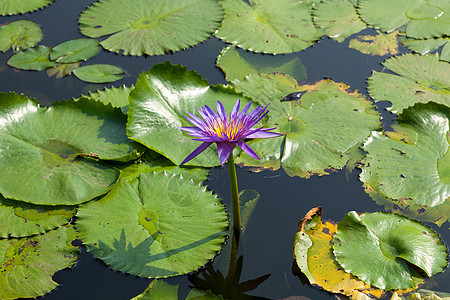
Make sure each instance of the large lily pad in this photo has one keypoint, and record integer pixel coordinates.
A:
(314, 257)
(12, 7)
(19, 219)
(380, 44)
(237, 63)
(420, 79)
(173, 226)
(338, 19)
(28, 264)
(99, 73)
(75, 50)
(321, 127)
(423, 18)
(51, 153)
(282, 26)
(151, 27)
(412, 162)
(36, 59)
(377, 248)
(19, 35)
(158, 104)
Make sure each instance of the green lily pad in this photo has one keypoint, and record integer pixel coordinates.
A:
(377, 247)
(12, 7)
(423, 18)
(420, 79)
(380, 44)
(158, 104)
(36, 59)
(75, 50)
(320, 128)
(99, 73)
(282, 26)
(338, 19)
(19, 219)
(19, 35)
(59, 147)
(116, 96)
(314, 257)
(172, 227)
(438, 214)
(62, 70)
(236, 64)
(28, 264)
(413, 161)
(425, 46)
(151, 27)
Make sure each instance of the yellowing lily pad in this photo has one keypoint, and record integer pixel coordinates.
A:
(313, 254)
(380, 44)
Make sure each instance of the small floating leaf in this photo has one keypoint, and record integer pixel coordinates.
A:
(12, 7)
(237, 63)
(159, 102)
(425, 46)
(99, 73)
(75, 50)
(158, 289)
(36, 59)
(420, 79)
(282, 26)
(19, 35)
(381, 44)
(151, 27)
(377, 248)
(59, 147)
(191, 226)
(338, 19)
(423, 19)
(28, 264)
(19, 219)
(62, 70)
(414, 169)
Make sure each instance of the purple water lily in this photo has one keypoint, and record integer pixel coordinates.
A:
(226, 132)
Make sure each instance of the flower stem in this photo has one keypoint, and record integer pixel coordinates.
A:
(234, 194)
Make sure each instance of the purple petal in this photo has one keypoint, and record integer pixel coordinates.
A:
(224, 151)
(262, 134)
(235, 109)
(196, 152)
(211, 139)
(221, 111)
(195, 120)
(193, 131)
(247, 149)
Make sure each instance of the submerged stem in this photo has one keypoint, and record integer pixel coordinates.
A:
(234, 194)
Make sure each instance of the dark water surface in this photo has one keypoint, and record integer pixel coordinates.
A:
(267, 243)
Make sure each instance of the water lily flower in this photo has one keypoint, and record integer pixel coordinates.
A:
(226, 132)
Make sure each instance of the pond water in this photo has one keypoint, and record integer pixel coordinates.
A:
(267, 243)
